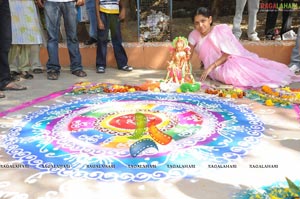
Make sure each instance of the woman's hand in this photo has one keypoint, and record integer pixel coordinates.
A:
(218, 62)
(205, 74)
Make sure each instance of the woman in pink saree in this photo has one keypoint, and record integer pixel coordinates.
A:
(226, 60)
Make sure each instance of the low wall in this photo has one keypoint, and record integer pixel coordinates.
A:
(156, 55)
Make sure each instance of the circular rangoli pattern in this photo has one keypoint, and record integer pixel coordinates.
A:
(93, 137)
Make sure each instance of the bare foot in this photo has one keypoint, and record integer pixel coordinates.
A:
(2, 95)
(12, 86)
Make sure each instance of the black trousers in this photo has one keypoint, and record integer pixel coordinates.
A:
(272, 17)
(5, 42)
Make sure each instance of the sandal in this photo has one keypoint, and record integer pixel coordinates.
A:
(2, 95)
(15, 76)
(37, 71)
(79, 73)
(26, 75)
(52, 75)
(13, 87)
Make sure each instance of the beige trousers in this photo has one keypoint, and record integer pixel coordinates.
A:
(24, 57)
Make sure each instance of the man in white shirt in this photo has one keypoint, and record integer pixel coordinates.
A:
(54, 9)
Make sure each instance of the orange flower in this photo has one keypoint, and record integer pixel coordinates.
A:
(234, 95)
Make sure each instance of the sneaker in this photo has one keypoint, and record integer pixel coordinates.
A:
(294, 68)
(254, 38)
(126, 68)
(52, 75)
(100, 69)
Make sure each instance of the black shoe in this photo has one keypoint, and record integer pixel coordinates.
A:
(53, 75)
(100, 69)
(90, 41)
(126, 68)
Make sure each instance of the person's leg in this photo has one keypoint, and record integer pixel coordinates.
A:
(239, 8)
(63, 30)
(116, 38)
(13, 58)
(295, 56)
(35, 59)
(24, 58)
(271, 19)
(91, 10)
(253, 7)
(69, 13)
(286, 18)
(5, 42)
(24, 64)
(52, 17)
(102, 40)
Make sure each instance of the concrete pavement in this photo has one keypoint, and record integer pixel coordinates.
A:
(279, 145)
(40, 86)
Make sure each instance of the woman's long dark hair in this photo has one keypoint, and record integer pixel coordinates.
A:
(202, 11)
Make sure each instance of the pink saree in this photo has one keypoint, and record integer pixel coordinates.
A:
(242, 67)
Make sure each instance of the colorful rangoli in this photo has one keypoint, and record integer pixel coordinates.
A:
(95, 137)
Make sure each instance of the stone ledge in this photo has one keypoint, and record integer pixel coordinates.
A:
(155, 55)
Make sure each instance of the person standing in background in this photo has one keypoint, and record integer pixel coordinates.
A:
(272, 18)
(109, 15)
(34, 59)
(295, 56)
(54, 9)
(253, 7)
(26, 39)
(91, 10)
(6, 82)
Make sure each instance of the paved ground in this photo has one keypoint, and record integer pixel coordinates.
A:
(40, 86)
(280, 145)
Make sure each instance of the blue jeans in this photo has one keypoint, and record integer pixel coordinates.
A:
(5, 42)
(53, 13)
(91, 10)
(111, 22)
(295, 56)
